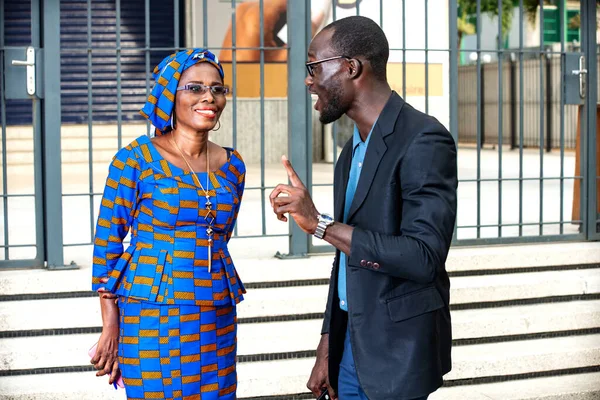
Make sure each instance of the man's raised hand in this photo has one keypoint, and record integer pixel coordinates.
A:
(296, 202)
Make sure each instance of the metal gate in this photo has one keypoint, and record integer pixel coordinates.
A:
(523, 183)
(542, 113)
(31, 210)
(515, 110)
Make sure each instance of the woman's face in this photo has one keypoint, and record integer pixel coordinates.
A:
(196, 110)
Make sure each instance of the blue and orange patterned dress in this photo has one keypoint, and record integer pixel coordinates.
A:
(177, 319)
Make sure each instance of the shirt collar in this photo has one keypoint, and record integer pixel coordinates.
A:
(356, 139)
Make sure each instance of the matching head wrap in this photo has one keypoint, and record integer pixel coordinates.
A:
(161, 101)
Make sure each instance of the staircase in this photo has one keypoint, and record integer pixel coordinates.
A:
(526, 325)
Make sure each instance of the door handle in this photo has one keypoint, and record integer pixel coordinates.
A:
(20, 63)
(581, 72)
(30, 64)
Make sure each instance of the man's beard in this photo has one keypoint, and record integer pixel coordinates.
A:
(334, 109)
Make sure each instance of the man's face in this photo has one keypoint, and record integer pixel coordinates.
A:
(328, 79)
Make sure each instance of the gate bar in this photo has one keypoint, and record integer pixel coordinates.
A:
(426, 27)
(561, 113)
(262, 114)
(90, 118)
(118, 66)
(500, 58)
(147, 55)
(335, 124)
(233, 77)
(4, 161)
(299, 110)
(53, 226)
(403, 49)
(205, 26)
(453, 80)
(591, 59)
(480, 116)
(176, 27)
(521, 114)
(541, 129)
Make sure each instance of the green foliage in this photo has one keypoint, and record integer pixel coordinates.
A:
(468, 8)
(530, 8)
(491, 7)
(465, 27)
(575, 22)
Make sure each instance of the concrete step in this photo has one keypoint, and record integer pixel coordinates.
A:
(84, 386)
(524, 320)
(261, 268)
(501, 257)
(81, 157)
(290, 376)
(524, 356)
(290, 336)
(83, 312)
(69, 350)
(79, 131)
(74, 143)
(566, 387)
(256, 379)
(252, 268)
(520, 357)
(530, 285)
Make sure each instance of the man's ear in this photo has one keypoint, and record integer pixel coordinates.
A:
(355, 68)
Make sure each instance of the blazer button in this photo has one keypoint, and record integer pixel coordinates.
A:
(376, 265)
(369, 264)
(363, 263)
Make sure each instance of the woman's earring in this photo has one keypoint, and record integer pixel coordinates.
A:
(218, 122)
(172, 119)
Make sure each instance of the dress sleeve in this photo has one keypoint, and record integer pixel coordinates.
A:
(116, 214)
(238, 169)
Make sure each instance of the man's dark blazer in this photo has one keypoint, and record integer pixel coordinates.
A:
(403, 215)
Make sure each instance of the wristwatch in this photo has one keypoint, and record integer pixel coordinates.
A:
(325, 220)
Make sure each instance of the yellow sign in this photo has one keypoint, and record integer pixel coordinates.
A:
(415, 79)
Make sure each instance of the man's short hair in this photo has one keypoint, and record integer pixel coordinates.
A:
(358, 36)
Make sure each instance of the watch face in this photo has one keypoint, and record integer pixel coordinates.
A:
(326, 217)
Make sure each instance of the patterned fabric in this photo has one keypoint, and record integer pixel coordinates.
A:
(166, 261)
(159, 106)
(177, 352)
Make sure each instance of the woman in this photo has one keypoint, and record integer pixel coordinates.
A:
(169, 300)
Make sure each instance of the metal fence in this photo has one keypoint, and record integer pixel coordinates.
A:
(535, 197)
(94, 71)
(489, 92)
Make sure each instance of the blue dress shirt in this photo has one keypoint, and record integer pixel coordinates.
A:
(358, 158)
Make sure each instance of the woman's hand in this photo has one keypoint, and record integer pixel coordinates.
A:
(105, 360)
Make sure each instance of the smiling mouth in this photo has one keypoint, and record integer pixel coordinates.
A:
(317, 104)
(210, 114)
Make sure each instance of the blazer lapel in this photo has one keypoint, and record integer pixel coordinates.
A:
(384, 126)
(342, 173)
(375, 153)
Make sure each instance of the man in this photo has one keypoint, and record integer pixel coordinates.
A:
(386, 332)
